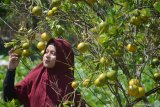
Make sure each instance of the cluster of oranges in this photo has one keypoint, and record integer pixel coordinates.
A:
(135, 89)
(103, 77)
(86, 83)
(37, 10)
(99, 82)
(41, 44)
(24, 49)
(139, 16)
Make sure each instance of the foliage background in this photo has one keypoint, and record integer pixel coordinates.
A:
(106, 25)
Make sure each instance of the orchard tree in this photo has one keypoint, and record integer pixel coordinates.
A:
(116, 44)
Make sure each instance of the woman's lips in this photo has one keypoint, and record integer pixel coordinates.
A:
(47, 61)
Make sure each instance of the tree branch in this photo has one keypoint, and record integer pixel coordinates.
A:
(146, 94)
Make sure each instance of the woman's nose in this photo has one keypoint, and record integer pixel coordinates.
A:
(48, 55)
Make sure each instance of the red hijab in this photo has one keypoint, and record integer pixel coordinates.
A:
(44, 87)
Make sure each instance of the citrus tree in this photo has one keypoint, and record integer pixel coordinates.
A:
(116, 44)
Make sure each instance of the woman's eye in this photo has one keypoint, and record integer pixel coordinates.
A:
(53, 53)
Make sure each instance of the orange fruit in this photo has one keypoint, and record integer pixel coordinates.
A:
(74, 84)
(133, 90)
(83, 47)
(157, 76)
(25, 45)
(37, 11)
(45, 37)
(86, 83)
(135, 21)
(41, 45)
(50, 13)
(102, 77)
(42, 52)
(54, 9)
(26, 52)
(105, 61)
(98, 83)
(141, 91)
(134, 82)
(112, 75)
(131, 48)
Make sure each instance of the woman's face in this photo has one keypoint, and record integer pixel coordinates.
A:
(49, 57)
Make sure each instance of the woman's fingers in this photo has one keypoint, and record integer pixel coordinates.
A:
(14, 57)
(11, 51)
(14, 54)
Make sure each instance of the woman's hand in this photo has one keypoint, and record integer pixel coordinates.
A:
(13, 60)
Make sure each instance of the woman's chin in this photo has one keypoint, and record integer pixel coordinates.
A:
(47, 66)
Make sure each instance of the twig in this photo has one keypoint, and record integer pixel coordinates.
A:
(25, 65)
(8, 25)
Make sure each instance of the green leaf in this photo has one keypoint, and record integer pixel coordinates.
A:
(156, 5)
(7, 1)
(157, 103)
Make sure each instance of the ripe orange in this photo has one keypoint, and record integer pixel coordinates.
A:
(42, 52)
(37, 11)
(86, 83)
(54, 9)
(105, 61)
(26, 52)
(45, 37)
(157, 76)
(112, 75)
(133, 90)
(50, 13)
(155, 62)
(83, 47)
(41, 45)
(74, 84)
(145, 14)
(98, 83)
(131, 48)
(135, 21)
(141, 91)
(25, 45)
(102, 77)
(134, 82)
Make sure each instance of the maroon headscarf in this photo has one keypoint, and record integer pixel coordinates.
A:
(44, 87)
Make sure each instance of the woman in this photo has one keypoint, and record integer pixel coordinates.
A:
(47, 85)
